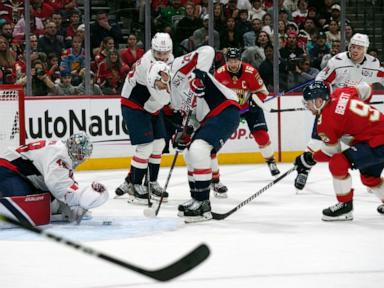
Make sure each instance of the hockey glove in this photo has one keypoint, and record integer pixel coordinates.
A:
(197, 87)
(183, 138)
(304, 162)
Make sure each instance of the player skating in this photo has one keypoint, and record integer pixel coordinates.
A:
(366, 152)
(46, 167)
(345, 69)
(141, 106)
(245, 80)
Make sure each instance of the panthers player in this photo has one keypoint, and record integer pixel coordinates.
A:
(345, 69)
(247, 83)
(29, 174)
(141, 106)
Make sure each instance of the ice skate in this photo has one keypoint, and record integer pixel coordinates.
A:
(339, 212)
(301, 179)
(198, 211)
(380, 209)
(219, 189)
(157, 190)
(123, 188)
(181, 208)
(138, 194)
(273, 167)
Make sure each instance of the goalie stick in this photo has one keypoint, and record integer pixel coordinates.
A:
(181, 266)
(218, 216)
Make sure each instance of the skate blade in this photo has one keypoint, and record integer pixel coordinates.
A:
(345, 217)
(194, 219)
(221, 195)
(138, 201)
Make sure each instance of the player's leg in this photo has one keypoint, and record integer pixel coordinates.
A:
(259, 130)
(191, 182)
(220, 190)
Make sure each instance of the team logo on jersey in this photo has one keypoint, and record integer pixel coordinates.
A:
(366, 73)
(342, 103)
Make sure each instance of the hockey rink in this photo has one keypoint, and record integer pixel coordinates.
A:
(277, 240)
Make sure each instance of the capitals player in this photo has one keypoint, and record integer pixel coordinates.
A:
(336, 113)
(31, 173)
(345, 69)
(247, 83)
(141, 108)
(215, 113)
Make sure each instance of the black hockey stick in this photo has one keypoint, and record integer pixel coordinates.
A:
(181, 266)
(287, 110)
(218, 216)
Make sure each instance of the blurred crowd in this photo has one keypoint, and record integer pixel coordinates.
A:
(308, 32)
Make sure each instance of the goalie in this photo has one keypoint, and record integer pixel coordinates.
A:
(31, 174)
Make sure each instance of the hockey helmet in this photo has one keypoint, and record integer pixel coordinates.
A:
(315, 90)
(360, 40)
(233, 53)
(161, 42)
(79, 147)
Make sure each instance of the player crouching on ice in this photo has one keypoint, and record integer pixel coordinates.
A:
(31, 174)
(215, 109)
(340, 114)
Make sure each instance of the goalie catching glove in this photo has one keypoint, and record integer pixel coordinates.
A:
(182, 139)
(304, 162)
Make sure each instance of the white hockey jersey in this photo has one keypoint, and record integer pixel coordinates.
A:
(183, 99)
(136, 88)
(341, 71)
(47, 165)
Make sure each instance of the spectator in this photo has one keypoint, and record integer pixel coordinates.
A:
(335, 49)
(243, 25)
(200, 36)
(132, 53)
(40, 80)
(291, 51)
(106, 45)
(111, 73)
(256, 11)
(170, 15)
(37, 27)
(41, 10)
(333, 32)
(53, 68)
(301, 13)
(348, 34)
(282, 9)
(74, 22)
(12, 10)
(230, 9)
(249, 37)
(267, 24)
(73, 60)
(254, 55)
(81, 33)
(282, 33)
(325, 12)
(320, 49)
(219, 20)
(187, 24)
(94, 88)
(6, 30)
(102, 28)
(58, 19)
(7, 62)
(64, 87)
(302, 73)
(266, 67)
(308, 27)
(229, 38)
(51, 42)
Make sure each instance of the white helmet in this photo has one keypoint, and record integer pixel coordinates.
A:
(360, 40)
(79, 147)
(162, 42)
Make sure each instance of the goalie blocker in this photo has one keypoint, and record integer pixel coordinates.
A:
(33, 210)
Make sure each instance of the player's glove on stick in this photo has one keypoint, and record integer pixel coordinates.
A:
(197, 84)
(304, 162)
(183, 138)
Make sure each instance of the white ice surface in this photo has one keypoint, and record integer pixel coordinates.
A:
(278, 240)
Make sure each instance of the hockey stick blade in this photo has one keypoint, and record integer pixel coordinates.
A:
(219, 216)
(181, 266)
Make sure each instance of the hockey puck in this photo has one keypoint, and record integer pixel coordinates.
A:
(150, 213)
(107, 223)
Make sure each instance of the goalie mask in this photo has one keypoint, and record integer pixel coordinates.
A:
(79, 147)
(233, 59)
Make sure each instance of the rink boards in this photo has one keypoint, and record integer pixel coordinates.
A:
(100, 116)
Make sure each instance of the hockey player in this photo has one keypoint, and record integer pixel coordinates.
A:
(247, 83)
(141, 108)
(345, 69)
(31, 173)
(215, 114)
(366, 153)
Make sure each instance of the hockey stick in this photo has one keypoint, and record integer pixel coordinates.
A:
(218, 216)
(181, 266)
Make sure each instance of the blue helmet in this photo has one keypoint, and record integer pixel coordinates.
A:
(316, 90)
